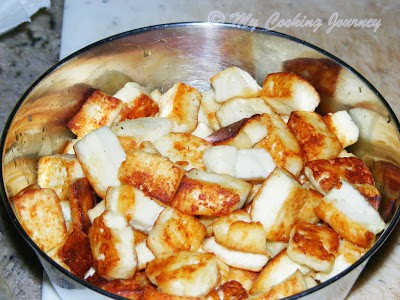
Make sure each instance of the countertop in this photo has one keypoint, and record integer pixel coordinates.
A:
(30, 49)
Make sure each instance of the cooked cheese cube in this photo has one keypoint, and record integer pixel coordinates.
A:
(96, 211)
(143, 129)
(40, 214)
(57, 172)
(221, 159)
(281, 144)
(314, 246)
(276, 271)
(307, 213)
(228, 290)
(240, 108)
(274, 248)
(287, 92)
(245, 277)
(98, 110)
(140, 211)
(156, 96)
(253, 164)
(174, 231)
(184, 273)
(313, 135)
(100, 155)
(113, 247)
(350, 215)
(181, 105)
(234, 82)
(239, 259)
(210, 107)
(277, 205)
(236, 231)
(202, 130)
(144, 255)
(184, 149)
(341, 124)
(156, 176)
(210, 194)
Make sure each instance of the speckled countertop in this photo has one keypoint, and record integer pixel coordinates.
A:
(29, 50)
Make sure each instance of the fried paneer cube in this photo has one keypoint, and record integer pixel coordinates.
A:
(307, 213)
(341, 124)
(181, 104)
(144, 254)
(210, 108)
(81, 199)
(347, 211)
(98, 110)
(57, 172)
(151, 293)
(313, 135)
(184, 273)
(276, 271)
(277, 204)
(210, 194)
(184, 149)
(286, 92)
(314, 246)
(239, 259)
(136, 102)
(229, 290)
(100, 155)
(174, 231)
(96, 211)
(237, 109)
(156, 176)
(325, 174)
(112, 242)
(140, 211)
(40, 214)
(221, 159)
(281, 144)
(238, 232)
(245, 277)
(234, 82)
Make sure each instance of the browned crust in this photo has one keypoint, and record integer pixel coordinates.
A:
(141, 107)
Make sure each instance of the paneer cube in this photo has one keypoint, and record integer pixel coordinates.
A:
(100, 155)
(156, 176)
(341, 124)
(245, 277)
(313, 135)
(181, 104)
(228, 290)
(277, 205)
(112, 243)
(253, 164)
(314, 246)
(286, 92)
(57, 172)
(234, 82)
(184, 273)
(210, 108)
(98, 110)
(96, 211)
(221, 159)
(144, 255)
(210, 194)
(307, 213)
(350, 215)
(40, 214)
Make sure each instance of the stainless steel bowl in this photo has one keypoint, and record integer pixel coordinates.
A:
(157, 57)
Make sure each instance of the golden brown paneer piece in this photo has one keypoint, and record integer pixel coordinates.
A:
(230, 290)
(98, 110)
(156, 176)
(307, 213)
(40, 214)
(313, 136)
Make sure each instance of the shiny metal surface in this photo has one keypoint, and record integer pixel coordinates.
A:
(156, 57)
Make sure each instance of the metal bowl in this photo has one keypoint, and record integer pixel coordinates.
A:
(157, 57)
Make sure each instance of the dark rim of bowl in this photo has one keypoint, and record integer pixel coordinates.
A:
(83, 282)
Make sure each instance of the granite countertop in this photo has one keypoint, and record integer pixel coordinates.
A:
(30, 49)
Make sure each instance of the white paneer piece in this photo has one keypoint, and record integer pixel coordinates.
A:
(97, 210)
(202, 130)
(184, 149)
(112, 242)
(255, 130)
(130, 91)
(239, 259)
(210, 107)
(234, 82)
(66, 210)
(185, 273)
(240, 108)
(221, 159)
(253, 164)
(341, 124)
(274, 248)
(140, 211)
(143, 129)
(286, 92)
(276, 271)
(278, 204)
(100, 155)
(156, 96)
(144, 255)
(347, 211)
(58, 172)
(345, 153)
(181, 105)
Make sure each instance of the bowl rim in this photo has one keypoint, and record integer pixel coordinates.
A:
(224, 26)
